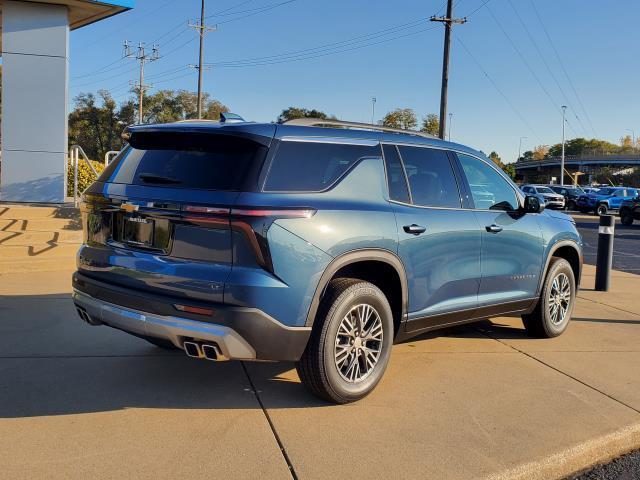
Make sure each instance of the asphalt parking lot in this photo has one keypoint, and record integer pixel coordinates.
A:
(626, 246)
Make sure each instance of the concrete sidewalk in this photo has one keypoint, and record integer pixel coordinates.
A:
(481, 401)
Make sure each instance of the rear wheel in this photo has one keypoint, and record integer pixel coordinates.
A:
(553, 311)
(350, 345)
(602, 209)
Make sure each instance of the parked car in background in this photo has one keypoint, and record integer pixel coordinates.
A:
(590, 189)
(551, 198)
(630, 211)
(605, 200)
(570, 194)
(315, 241)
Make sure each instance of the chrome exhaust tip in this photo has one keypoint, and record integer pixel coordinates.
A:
(211, 352)
(86, 317)
(192, 349)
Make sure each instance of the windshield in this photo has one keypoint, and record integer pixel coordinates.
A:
(544, 190)
(605, 191)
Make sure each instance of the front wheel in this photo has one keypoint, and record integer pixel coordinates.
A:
(626, 218)
(350, 345)
(551, 316)
(602, 209)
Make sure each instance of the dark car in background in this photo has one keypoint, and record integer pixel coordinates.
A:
(570, 193)
(630, 211)
(551, 198)
(315, 241)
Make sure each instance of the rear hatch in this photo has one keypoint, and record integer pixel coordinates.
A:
(158, 218)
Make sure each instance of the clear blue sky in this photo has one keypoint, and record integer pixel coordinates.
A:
(341, 53)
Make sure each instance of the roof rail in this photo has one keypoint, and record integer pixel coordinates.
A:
(319, 122)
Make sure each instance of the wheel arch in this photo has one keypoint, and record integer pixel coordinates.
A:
(357, 264)
(571, 252)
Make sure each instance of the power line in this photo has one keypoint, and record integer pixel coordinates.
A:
(256, 11)
(498, 89)
(546, 64)
(566, 74)
(526, 63)
(477, 9)
(142, 57)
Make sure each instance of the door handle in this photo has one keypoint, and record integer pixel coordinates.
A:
(493, 228)
(414, 229)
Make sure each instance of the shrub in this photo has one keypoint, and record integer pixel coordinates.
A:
(85, 175)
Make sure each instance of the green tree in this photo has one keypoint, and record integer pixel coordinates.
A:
(404, 118)
(431, 124)
(292, 113)
(95, 124)
(166, 106)
(496, 159)
(583, 146)
(510, 169)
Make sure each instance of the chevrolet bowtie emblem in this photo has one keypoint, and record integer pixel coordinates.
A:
(129, 207)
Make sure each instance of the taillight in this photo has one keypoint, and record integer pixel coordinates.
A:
(264, 212)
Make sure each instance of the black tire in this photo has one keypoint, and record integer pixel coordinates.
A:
(161, 343)
(571, 205)
(539, 323)
(602, 209)
(626, 218)
(318, 369)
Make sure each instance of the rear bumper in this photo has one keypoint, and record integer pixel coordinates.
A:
(240, 333)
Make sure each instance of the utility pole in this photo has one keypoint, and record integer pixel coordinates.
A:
(450, 124)
(633, 137)
(520, 147)
(202, 31)
(143, 57)
(564, 109)
(448, 23)
(373, 110)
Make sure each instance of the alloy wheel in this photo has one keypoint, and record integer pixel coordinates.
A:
(358, 343)
(559, 299)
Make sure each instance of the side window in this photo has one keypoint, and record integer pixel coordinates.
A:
(313, 166)
(431, 179)
(619, 193)
(396, 178)
(489, 189)
(526, 189)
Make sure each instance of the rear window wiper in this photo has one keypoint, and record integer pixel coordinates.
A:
(152, 178)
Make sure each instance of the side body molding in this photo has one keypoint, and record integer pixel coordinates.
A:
(356, 256)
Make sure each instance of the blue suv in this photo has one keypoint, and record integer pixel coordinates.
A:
(319, 242)
(605, 200)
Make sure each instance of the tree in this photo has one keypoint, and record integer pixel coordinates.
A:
(292, 113)
(170, 106)
(540, 152)
(583, 146)
(626, 142)
(431, 124)
(95, 124)
(510, 169)
(496, 159)
(403, 118)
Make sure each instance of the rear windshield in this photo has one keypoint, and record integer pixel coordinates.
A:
(202, 162)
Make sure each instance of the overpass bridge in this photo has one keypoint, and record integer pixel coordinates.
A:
(544, 171)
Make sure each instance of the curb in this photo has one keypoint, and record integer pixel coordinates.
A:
(576, 459)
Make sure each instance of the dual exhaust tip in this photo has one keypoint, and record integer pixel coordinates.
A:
(86, 317)
(204, 350)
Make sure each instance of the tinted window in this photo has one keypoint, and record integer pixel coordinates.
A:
(605, 191)
(544, 190)
(490, 190)
(431, 179)
(311, 166)
(526, 189)
(217, 164)
(396, 179)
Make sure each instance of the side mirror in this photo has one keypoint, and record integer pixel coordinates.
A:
(533, 204)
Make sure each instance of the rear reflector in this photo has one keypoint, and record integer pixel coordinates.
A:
(196, 310)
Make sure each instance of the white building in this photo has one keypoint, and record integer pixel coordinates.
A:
(35, 65)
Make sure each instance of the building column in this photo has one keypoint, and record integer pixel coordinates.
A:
(35, 46)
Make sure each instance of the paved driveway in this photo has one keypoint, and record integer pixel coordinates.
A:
(472, 402)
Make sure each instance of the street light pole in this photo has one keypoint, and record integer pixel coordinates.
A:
(373, 110)
(520, 147)
(564, 109)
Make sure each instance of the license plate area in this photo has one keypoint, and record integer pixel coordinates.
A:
(143, 232)
(138, 231)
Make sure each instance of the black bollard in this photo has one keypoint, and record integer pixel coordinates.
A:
(605, 252)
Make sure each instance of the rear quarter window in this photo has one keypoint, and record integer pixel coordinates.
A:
(313, 166)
